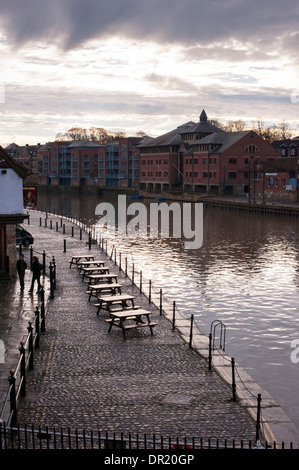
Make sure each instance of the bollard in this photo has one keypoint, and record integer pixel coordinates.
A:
(160, 301)
(44, 262)
(150, 290)
(80, 233)
(72, 231)
(210, 351)
(13, 401)
(258, 417)
(126, 267)
(133, 270)
(37, 323)
(64, 245)
(56, 226)
(89, 240)
(42, 309)
(51, 281)
(63, 228)
(30, 345)
(233, 379)
(191, 331)
(23, 370)
(173, 316)
(51, 224)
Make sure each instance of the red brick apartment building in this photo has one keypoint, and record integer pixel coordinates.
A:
(202, 158)
(82, 163)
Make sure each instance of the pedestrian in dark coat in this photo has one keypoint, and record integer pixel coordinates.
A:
(36, 272)
(21, 267)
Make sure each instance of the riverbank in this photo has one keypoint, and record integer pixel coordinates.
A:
(190, 400)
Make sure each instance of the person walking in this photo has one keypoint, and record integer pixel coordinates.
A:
(21, 267)
(36, 272)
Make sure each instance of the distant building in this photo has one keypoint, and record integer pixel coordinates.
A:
(11, 211)
(203, 158)
(27, 156)
(287, 147)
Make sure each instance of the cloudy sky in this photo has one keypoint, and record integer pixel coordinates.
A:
(131, 65)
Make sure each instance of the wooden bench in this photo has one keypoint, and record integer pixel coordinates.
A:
(96, 289)
(76, 259)
(118, 319)
(94, 269)
(96, 278)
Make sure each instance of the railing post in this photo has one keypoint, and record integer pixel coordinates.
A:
(191, 331)
(173, 315)
(13, 401)
(210, 351)
(89, 240)
(23, 370)
(37, 329)
(51, 282)
(258, 417)
(44, 262)
(233, 379)
(30, 346)
(42, 310)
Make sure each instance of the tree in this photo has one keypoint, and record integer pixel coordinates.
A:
(94, 134)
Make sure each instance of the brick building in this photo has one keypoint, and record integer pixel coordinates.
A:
(27, 156)
(11, 211)
(203, 158)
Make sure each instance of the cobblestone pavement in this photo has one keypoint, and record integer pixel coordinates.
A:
(87, 378)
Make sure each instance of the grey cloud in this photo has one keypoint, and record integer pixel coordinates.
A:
(71, 22)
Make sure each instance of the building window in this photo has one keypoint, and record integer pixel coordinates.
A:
(293, 152)
(232, 175)
(252, 149)
(232, 161)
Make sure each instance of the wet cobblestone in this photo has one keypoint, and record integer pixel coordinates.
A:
(85, 377)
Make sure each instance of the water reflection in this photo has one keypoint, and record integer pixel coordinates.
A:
(245, 274)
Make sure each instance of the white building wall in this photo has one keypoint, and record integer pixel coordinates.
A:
(11, 192)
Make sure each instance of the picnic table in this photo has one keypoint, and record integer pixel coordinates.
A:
(93, 270)
(113, 303)
(89, 264)
(76, 259)
(120, 319)
(96, 278)
(96, 289)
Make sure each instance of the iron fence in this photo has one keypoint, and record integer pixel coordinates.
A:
(30, 437)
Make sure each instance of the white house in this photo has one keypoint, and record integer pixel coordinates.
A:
(11, 211)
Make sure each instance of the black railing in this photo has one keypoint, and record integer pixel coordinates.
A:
(17, 378)
(28, 437)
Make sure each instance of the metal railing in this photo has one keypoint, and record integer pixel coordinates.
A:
(18, 376)
(29, 437)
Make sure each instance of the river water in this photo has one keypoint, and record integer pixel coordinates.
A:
(246, 274)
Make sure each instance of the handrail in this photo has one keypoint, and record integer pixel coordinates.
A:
(31, 342)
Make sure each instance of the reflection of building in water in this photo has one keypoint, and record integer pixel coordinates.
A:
(11, 211)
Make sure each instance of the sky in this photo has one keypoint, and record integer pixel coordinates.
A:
(135, 65)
